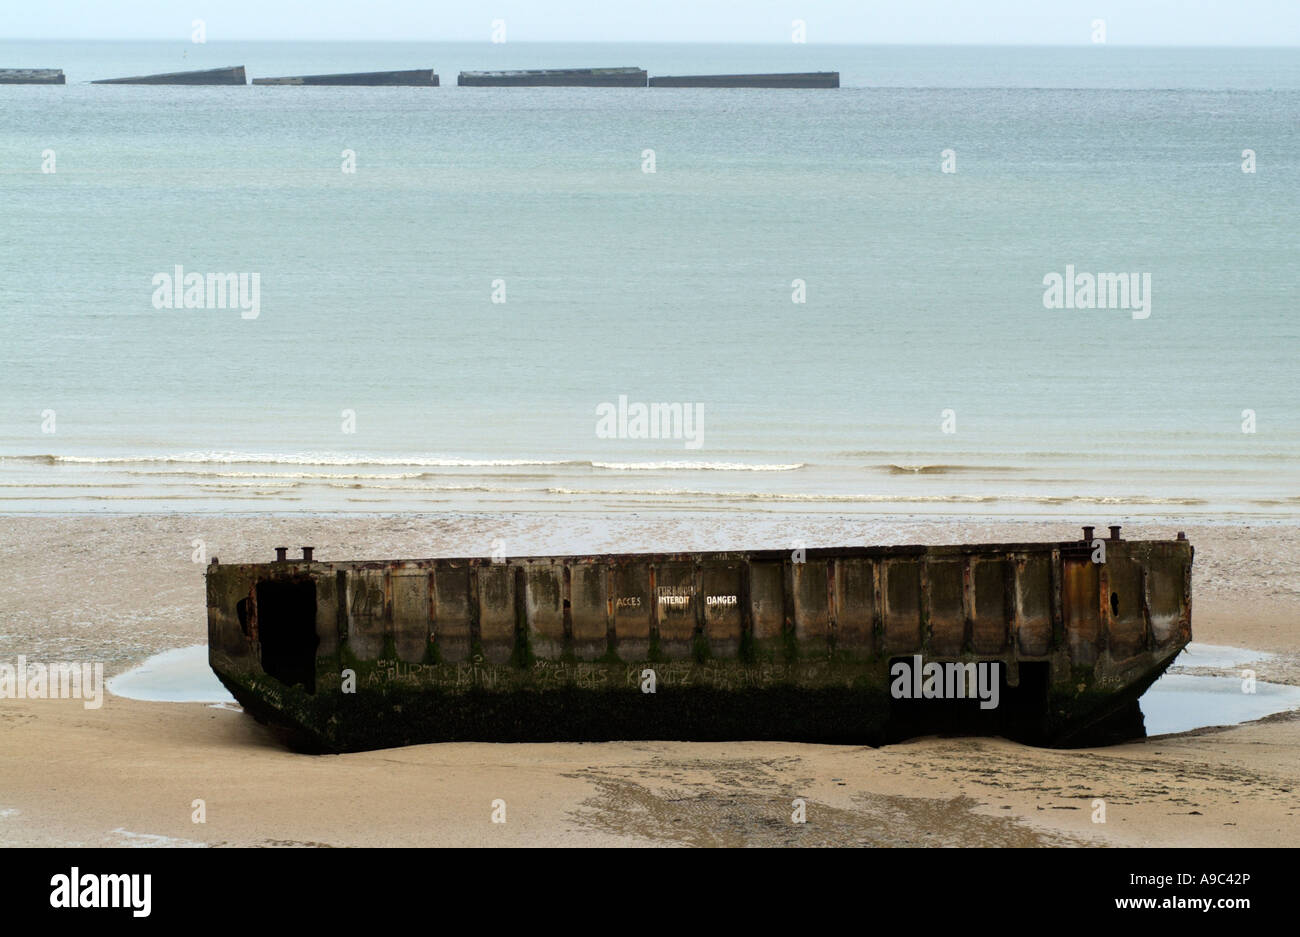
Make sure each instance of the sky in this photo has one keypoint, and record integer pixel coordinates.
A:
(992, 22)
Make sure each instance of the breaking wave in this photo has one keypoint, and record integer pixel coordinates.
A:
(344, 460)
(874, 498)
(698, 466)
(307, 458)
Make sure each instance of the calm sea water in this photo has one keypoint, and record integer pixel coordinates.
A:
(380, 374)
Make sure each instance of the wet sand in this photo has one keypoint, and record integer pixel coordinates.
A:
(119, 589)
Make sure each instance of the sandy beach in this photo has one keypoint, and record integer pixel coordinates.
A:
(118, 589)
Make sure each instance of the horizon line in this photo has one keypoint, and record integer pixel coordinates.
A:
(672, 42)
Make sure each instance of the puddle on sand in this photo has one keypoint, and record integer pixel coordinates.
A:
(179, 676)
(1180, 702)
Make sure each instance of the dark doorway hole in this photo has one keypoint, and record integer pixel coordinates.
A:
(1021, 713)
(286, 627)
(1028, 699)
(1026, 703)
(241, 609)
(1114, 604)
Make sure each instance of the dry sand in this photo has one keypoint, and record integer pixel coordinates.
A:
(118, 589)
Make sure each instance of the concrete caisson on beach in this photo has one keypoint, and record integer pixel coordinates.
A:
(556, 77)
(212, 76)
(734, 645)
(32, 76)
(416, 77)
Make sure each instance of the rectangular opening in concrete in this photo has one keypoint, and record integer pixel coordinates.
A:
(286, 628)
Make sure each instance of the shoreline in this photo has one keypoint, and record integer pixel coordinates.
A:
(123, 587)
(1195, 520)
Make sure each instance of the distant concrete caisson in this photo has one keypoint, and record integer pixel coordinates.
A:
(629, 77)
(557, 77)
(233, 75)
(779, 80)
(32, 76)
(416, 77)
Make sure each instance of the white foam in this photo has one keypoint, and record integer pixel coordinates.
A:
(698, 466)
(301, 458)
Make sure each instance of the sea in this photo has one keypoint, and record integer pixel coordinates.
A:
(640, 299)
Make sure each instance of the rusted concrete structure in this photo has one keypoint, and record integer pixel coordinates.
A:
(211, 76)
(32, 76)
(778, 80)
(417, 77)
(554, 77)
(736, 645)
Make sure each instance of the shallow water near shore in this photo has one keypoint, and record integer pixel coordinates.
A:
(848, 326)
(1177, 702)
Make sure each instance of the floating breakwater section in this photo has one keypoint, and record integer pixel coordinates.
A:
(638, 78)
(32, 76)
(782, 80)
(621, 77)
(557, 77)
(417, 78)
(233, 75)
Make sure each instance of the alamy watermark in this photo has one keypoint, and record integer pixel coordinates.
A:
(951, 680)
(1099, 291)
(85, 890)
(181, 290)
(62, 680)
(636, 420)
